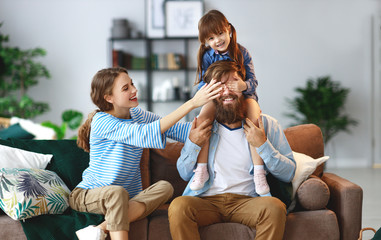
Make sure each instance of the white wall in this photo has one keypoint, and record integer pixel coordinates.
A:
(290, 41)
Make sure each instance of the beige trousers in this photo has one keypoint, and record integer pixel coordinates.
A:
(113, 202)
(266, 214)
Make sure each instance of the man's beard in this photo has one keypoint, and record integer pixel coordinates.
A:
(230, 113)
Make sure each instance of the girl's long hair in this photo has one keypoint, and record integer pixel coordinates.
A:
(215, 22)
(101, 85)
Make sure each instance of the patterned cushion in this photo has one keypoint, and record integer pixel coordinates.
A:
(26, 193)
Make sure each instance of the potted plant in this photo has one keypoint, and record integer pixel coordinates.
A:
(321, 102)
(70, 119)
(19, 70)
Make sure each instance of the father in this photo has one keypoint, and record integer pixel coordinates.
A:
(229, 194)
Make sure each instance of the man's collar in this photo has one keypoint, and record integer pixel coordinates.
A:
(216, 123)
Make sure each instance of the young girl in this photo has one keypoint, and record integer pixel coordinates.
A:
(115, 136)
(218, 40)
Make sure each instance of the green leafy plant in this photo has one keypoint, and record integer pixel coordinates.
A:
(70, 119)
(321, 102)
(19, 70)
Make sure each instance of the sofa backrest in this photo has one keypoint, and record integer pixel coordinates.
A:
(160, 164)
(307, 139)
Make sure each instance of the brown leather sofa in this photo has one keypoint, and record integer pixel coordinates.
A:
(340, 218)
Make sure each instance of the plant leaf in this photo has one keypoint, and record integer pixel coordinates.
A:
(73, 118)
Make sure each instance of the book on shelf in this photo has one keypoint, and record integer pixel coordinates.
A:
(138, 63)
(117, 58)
(127, 60)
(170, 61)
(163, 61)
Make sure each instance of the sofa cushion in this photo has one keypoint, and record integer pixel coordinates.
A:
(313, 194)
(11, 157)
(69, 161)
(312, 225)
(11, 229)
(27, 193)
(227, 230)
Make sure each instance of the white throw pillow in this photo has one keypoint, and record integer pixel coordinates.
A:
(305, 166)
(26, 193)
(39, 131)
(18, 158)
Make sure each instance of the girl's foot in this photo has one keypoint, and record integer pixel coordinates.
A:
(200, 177)
(260, 181)
(91, 233)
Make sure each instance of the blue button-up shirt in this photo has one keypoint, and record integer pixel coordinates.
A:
(212, 56)
(275, 152)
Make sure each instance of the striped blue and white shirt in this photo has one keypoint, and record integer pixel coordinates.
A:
(116, 146)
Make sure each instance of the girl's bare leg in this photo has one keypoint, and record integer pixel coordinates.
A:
(261, 186)
(201, 172)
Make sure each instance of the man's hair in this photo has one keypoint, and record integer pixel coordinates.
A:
(220, 68)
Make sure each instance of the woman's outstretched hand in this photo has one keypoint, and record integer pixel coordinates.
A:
(207, 93)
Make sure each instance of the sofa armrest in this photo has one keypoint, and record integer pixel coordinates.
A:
(346, 201)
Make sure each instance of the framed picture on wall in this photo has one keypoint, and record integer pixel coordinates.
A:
(155, 20)
(181, 18)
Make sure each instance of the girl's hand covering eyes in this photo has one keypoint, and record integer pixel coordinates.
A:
(207, 93)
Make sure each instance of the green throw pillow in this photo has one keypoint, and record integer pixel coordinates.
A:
(69, 161)
(15, 131)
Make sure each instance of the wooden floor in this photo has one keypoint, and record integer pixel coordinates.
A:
(370, 181)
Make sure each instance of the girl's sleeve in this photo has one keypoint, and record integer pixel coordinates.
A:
(251, 80)
(145, 135)
(206, 62)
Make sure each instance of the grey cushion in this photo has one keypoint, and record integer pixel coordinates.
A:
(11, 229)
(313, 194)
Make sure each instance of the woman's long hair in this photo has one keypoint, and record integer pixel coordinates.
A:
(215, 22)
(101, 85)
